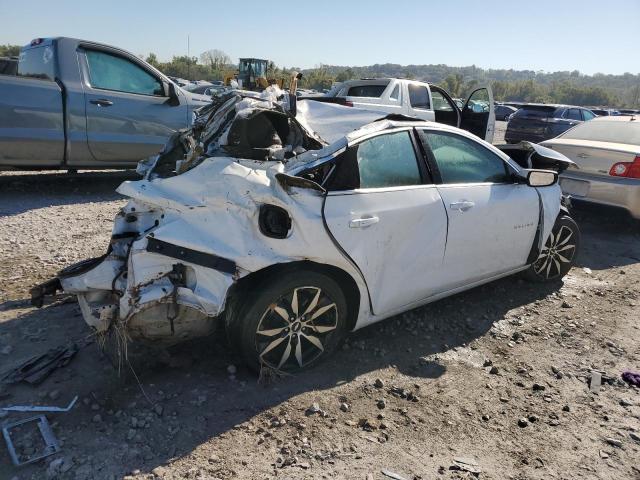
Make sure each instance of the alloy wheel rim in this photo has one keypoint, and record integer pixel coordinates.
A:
(558, 250)
(294, 330)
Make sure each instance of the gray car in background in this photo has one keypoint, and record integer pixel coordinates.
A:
(606, 151)
(78, 104)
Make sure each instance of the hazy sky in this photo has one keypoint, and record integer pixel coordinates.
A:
(587, 35)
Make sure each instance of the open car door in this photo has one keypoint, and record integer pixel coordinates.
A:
(478, 116)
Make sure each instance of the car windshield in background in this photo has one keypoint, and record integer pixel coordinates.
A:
(366, 91)
(614, 132)
(37, 62)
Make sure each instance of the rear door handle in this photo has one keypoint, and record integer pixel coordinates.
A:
(102, 102)
(462, 205)
(363, 222)
(583, 155)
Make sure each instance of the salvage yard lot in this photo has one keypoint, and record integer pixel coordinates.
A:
(498, 374)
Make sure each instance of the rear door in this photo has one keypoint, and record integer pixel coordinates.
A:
(128, 116)
(444, 108)
(389, 218)
(478, 116)
(492, 220)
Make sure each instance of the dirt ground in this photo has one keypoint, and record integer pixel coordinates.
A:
(497, 377)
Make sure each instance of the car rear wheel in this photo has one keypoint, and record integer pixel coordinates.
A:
(291, 323)
(558, 253)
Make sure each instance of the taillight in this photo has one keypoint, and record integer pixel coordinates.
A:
(626, 169)
(347, 103)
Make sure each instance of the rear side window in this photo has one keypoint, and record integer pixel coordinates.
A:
(462, 160)
(587, 115)
(387, 160)
(366, 91)
(573, 114)
(395, 95)
(111, 72)
(37, 62)
(419, 97)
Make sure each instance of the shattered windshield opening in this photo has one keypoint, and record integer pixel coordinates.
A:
(249, 127)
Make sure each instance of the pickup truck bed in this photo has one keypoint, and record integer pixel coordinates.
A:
(32, 125)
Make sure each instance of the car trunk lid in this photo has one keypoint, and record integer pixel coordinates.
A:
(592, 157)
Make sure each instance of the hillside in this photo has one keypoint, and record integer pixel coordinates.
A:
(508, 84)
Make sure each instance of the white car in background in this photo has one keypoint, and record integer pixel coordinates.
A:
(607, 153)
(421, 100)
(292, 231)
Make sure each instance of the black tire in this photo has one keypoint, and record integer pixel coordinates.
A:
(558, 253)
(300, 341)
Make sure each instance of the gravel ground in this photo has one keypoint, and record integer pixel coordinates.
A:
(502, 378)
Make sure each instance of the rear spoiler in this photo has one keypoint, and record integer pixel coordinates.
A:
(532, 155)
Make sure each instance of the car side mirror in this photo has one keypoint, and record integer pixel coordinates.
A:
(541, 178)
(169, 89)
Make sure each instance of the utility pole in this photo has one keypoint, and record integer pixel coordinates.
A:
(188, 58)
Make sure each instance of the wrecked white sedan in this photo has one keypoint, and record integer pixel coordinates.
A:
(292, 229)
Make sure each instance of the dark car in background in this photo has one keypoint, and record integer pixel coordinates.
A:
(8, 65)
(503, 112)
(538, 122)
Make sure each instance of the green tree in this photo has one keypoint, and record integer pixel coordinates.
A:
(215, 59)
(9, 50)
(152, 60)
(453, 84)
(346, 74)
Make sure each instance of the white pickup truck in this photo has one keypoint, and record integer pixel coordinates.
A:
(421, 100)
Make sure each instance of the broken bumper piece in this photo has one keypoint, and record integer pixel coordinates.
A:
(147, 289)
(53, 286)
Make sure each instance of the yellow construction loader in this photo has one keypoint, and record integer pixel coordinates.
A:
(252, 75)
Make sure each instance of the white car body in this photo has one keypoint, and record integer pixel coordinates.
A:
(399, 246)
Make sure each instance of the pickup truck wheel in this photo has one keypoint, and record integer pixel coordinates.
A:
(293, 322)
(558, 253)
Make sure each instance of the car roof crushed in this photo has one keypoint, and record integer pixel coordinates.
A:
(263, 126)
(238, 124)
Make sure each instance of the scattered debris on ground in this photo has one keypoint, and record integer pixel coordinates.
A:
(445, 410)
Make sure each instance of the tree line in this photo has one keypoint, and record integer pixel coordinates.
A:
(571, 87)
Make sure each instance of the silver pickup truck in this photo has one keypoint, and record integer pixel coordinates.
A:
(77, 104)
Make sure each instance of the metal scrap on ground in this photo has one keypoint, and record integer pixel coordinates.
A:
(41, 408)
(39, 367)
(19, 457)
